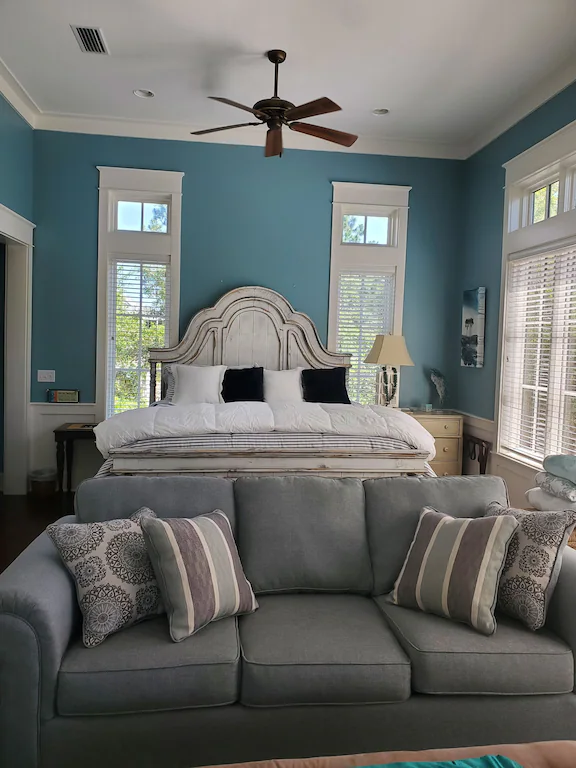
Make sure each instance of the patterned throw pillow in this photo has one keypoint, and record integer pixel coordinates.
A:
(453, 567)
(556, 486)
(115, 582)
(533, 563)
(198, 570)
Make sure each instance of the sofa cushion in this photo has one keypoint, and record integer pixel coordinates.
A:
(108, 498)
(452, 658)
(303, 533)
(394, 504)
(142, 670)
(320, 649)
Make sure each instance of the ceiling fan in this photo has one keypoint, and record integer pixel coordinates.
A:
(276, 113)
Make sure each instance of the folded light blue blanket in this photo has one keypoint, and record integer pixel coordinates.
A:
(561, 466)
(490, 761)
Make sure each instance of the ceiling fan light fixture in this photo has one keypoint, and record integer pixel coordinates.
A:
(380, 111)
(143, 93)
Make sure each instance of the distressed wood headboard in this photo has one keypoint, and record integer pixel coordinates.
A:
(248, 326)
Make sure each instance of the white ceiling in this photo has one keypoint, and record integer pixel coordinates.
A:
(449, 71)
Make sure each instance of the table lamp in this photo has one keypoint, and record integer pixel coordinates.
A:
(388, 351)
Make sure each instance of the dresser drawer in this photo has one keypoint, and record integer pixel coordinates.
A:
(444, 427)
(447, 449)
(445, 468)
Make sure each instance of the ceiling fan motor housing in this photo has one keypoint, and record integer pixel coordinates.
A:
(274, 107)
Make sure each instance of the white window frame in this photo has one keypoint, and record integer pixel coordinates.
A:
(551, 159)
(139, 185)
(371, 200)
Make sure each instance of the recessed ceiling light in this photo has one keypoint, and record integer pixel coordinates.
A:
(380, 111)
(142, 93)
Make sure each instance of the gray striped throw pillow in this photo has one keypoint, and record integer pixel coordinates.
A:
(453, 567)
(198, 571)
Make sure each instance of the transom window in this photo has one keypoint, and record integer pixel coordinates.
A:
(365, 230)
(544, 202)
(134, 216)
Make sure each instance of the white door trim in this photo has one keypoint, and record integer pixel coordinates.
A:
(19, 233)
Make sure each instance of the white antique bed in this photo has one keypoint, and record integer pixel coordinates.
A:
(255, 326)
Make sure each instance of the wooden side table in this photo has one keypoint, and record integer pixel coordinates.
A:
(65, 436)
(447, 429)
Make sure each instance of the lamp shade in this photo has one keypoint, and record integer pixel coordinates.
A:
(389, 350)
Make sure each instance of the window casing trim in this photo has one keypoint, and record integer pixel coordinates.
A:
(139, 185)
(377, 200)
(551, 159)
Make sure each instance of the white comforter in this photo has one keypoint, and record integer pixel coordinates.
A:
(184, 421)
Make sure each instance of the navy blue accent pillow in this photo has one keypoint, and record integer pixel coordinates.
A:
(243, 384)
(325, 385)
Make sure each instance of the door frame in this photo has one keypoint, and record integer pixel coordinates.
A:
(18, 234)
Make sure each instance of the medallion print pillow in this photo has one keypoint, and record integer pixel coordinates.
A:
(453, 567)
(198, 570)
(533, 563)
(115, 581)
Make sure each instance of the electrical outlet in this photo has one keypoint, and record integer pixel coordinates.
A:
(47, 376)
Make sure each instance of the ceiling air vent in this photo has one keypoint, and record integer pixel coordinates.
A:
(90, 40)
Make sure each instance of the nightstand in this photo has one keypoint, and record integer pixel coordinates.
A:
(446, 427)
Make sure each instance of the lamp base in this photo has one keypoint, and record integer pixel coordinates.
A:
(387, 385)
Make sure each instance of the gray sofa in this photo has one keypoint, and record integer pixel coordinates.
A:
(325, 666)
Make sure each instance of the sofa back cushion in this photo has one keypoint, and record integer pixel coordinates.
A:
(394, 504)
(303, 534)
(110, 498)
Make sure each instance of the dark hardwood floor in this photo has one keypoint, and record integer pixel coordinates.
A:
(22, 518)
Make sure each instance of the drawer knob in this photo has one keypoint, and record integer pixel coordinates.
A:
(445, 450)
(445, 426)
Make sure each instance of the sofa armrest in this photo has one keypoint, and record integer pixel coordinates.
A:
(38, 612)
(561, 618)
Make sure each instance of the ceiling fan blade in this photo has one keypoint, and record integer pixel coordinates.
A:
(273, 142)
(222, 128)
(231, 103)
(328, 134)
(312, 108)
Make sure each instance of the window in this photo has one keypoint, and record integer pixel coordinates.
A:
(544, 202)
(366, 282)
(538, 404)
(135, 216)
(365, 230)
(138, 281)
(365, 308)
(138, 300)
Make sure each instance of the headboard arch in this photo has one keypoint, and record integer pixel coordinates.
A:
(249, 326)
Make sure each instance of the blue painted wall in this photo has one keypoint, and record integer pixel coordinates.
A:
(16, 161)
(246, 220)
(481, 258)
(2, 298)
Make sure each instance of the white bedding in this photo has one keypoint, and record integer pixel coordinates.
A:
(247, 418)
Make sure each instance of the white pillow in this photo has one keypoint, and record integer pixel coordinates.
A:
(197, 384)
(283, 386)
(545, 502)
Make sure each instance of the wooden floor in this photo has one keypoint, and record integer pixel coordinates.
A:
(22, 518)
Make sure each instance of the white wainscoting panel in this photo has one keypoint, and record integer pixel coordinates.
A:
(43, 419)
(518, 477)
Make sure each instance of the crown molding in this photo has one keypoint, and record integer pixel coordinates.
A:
(546, 89)
(17, 97)
(23, 103)
(250, 136)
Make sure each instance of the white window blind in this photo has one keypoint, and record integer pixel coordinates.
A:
(138, 319)
(538, 405)
(365, 308)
